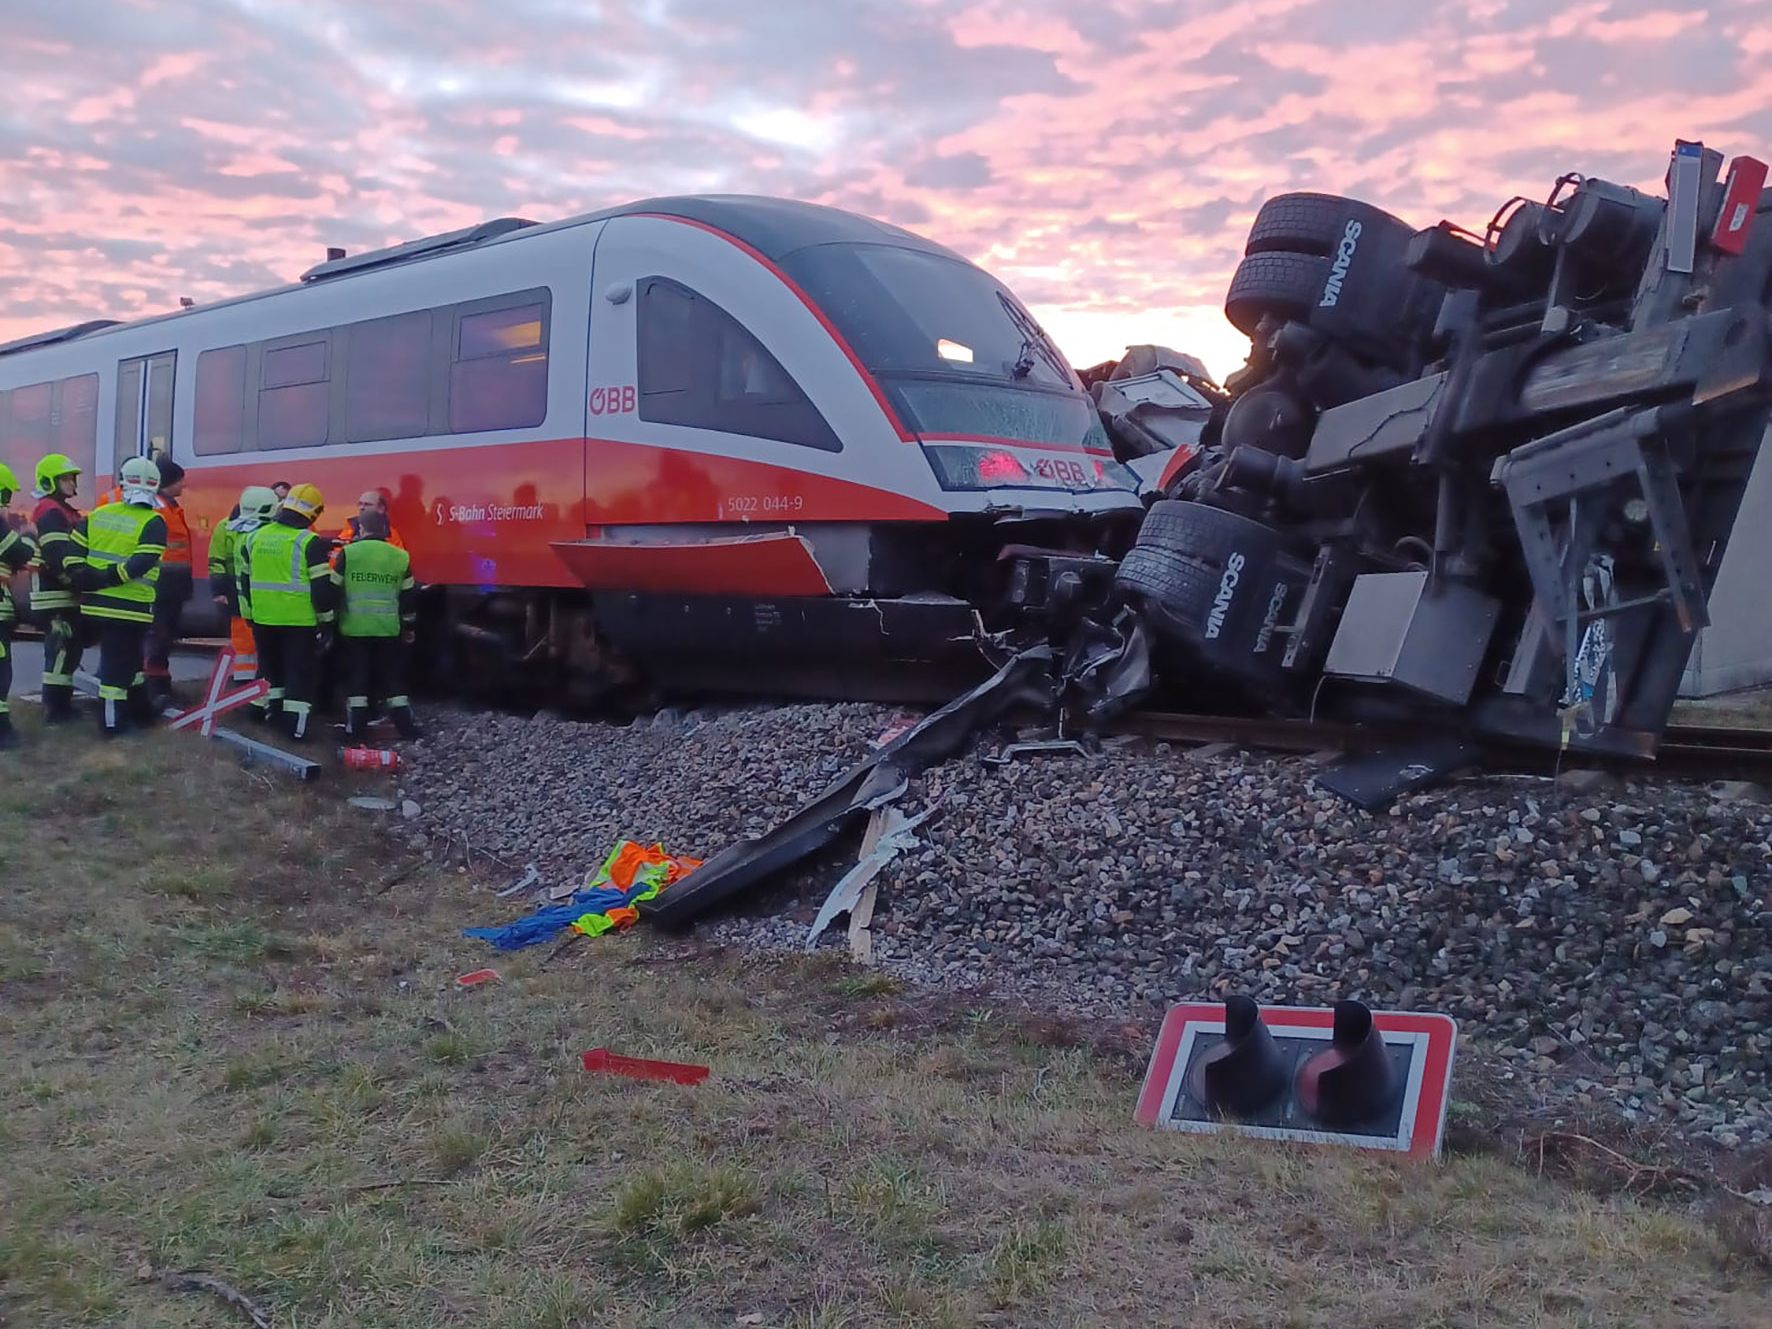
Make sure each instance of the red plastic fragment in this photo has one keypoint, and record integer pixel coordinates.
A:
(639, 1068)
(476, 978)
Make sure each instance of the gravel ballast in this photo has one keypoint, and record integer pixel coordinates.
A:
(1613, 945)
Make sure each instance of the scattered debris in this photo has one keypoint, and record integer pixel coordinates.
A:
(876, 780)
(1004, 755)
(365, 804)
(631, 875)
(1373, 781)
(641, 1068)
(195, 1280)
(409, 809)
(530, 879)
(477, 977)
(218, 701)
(888, 835)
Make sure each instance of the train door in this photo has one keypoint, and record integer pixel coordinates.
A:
(144, 408)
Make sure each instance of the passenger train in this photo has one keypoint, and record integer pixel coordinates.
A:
(717, 442)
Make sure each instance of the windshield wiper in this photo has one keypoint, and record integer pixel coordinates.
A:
(1033, 341)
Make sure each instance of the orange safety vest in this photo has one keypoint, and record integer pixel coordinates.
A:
(109, 496)
(178, 531)
(349, 533)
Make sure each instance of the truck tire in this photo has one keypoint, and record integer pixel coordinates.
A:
(1178, 583)
(1283, 284)
(1305, 223)
(1181, 553)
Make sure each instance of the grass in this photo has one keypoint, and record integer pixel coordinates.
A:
(226, 1047)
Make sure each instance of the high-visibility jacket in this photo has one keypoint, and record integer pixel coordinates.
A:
(16, 553)
(287, 581)
(224, 552)
(178, 530)
(221, 560)
(239, 557)
(377, 594)
(120, 547)
(55, 520)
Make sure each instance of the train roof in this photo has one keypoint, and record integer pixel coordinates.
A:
(774, 227)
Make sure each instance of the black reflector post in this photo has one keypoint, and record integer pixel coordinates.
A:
(1247, 1072)
(1353, 1079)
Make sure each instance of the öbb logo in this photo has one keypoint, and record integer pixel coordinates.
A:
(613, 400)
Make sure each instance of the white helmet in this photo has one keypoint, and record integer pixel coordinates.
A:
(140, 479)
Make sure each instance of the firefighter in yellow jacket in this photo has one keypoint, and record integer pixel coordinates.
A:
(289, 593)
(118, 549)
(378, 606)
(16, 552)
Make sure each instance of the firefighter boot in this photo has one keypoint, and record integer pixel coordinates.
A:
(142, 711)
(113, 712)
(357, 717)
(58, 703)
(8, 735)
(405, 723)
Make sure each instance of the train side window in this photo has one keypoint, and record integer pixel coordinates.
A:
(220, 403)
(75, 416)
(294, 395)
(28, 421)
(388, 378)
(700, 368)
(498, 377)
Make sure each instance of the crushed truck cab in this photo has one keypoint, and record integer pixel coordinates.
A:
(1483, 480)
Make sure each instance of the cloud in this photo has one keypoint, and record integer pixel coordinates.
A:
(1104, 158)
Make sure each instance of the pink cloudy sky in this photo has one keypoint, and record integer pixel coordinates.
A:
(1104, 158)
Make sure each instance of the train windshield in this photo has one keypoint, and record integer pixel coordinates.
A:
(956, 351)
(906, 311)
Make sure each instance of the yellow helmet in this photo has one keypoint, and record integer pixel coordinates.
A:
(8, 484)
(52, 468)
(305, 501)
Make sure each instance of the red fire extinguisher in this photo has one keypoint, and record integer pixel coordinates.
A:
(370, 759)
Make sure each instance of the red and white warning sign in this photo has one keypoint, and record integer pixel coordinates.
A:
(220, 700)
(1410, 1118)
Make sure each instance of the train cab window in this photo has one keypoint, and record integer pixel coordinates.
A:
(498, 377)
(220, 402)
(700, 368)
(388, 378)
(294, 396)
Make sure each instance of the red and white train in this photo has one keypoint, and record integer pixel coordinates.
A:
(734, 441)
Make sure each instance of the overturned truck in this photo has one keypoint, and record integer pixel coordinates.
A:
(1480, 480)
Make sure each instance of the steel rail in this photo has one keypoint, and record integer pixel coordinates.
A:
(1692, 752)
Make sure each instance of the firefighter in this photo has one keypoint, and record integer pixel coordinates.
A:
(290, 595)
(16, 551)
(176, 580)
(257, 505)
(378, 605)
(53, 600)
(119, 549)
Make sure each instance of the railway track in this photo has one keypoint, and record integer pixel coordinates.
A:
(1686, 752)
